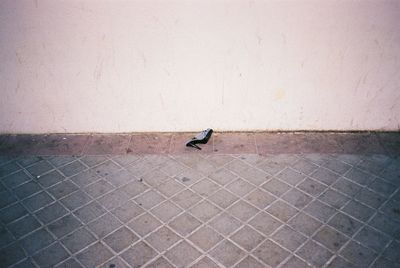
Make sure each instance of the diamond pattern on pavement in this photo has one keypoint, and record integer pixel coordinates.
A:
(200, 210)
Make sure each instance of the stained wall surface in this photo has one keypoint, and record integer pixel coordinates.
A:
(121, 66)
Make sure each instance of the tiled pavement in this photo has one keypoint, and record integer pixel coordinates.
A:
(229, 209)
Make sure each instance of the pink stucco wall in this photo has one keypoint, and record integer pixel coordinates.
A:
(119, 66)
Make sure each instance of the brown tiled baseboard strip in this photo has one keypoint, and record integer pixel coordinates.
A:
(220, 143)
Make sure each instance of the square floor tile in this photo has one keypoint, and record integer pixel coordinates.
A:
(120, 239)
(337, 166)
(320, 210)
(64, 226)
(72, 169)
(39, 168)
(205, 187)
(265, 223)
(295, 262)
(93, 160)
(382, 187)
(62, 189)
(160, 262)
(184, 224)
(345, 224)
(163, 238)
(94, 255)
(311, 187)
(38, 201)
(36, 241)
(297, 198)
(51, 213)
(120, 178)
(242, 210)
(169, 187)
(78, 240)
(249, 173)
(61, 160)
(225, 224)
(271, 165)
(154, 177)
(339, 262)
(358, 254)
(314, 253)
(27, 189)
(7, 198)
(115, 262)
(290, 176)
(223, 198)
(144, 224)
(166, 211)
(227, 253)
(11, 255)
(182, 254)
(12, 213)
(346, 187)
(127, 211)
(204, 211)
(140, 168)
(370, 198)
(134, 188)
(27, 263)
(76, 200)
(392, 209)
(240, 187)
(113, 199)
(90, 212)
(222, 176)
(276, 187)
(358, 210)
(304, 166)
(260, 198)
(249, 262)
(189, 177)
(186, 199)
(271, 253)
(104, 225)
(139, 254)
(282, 210)
(51, 255)
(288, 238)
(106, 168)
(22, 226)
(372, 238)
(205, 238)
(330, 238)
(172, 168)
(386, 225)
(325, 176)
(205, 263)
(359, 176)
(247, 238)
(26, 161)
(392, 251)
(304, 223)
(149, 199)
(84, 178)
(98, 188)
(15, 179)
(334, 198)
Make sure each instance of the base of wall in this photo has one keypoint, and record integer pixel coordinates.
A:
(220, 143)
